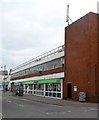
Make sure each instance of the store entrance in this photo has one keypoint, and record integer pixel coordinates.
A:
(69, 90)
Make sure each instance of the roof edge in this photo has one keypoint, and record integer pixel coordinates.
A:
(81, 18)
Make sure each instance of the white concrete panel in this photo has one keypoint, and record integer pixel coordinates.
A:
(43, 60)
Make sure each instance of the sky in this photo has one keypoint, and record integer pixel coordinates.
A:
(29, 28)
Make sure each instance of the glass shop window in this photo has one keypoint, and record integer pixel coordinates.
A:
(58, 87)
(41, 87)
(30, 87)
(54, 87)
(26, 86)
(58, 94)
(54, 94)
(46, 87)
(36, 86)
(50, 86)
(23, 86)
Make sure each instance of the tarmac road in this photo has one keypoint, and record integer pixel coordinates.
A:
(17, 107)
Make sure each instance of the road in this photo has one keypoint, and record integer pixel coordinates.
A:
(14, 107)
(1, 105)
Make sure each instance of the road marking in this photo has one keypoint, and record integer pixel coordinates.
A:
(20, 105)
(55, 105)
(93, 109)
(61, 106)
(68, 111)
(57, 112)
(47, 113)
(9, 101)
(26, 99)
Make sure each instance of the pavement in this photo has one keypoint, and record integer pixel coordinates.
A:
(53, 101)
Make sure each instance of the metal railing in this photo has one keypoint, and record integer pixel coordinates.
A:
(45, 55)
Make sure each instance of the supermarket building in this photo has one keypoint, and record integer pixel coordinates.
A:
(43, 75)
(67, 70)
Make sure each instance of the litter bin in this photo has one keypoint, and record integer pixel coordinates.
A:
(20, 92)
(82, 97)
(16, 92)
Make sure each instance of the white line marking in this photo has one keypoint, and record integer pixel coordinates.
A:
(20, 105)
(68, 111)
(55, 105)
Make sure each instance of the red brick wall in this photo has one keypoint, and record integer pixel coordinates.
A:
(81, 56)
(97, 67)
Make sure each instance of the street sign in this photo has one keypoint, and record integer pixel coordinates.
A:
(75, 88)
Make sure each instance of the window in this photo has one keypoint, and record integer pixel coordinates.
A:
(36, 86)
(57, 63)
(59, 87)
(53, 89)
(44, 89)
(41, 87)
(30, 89)
(27, 71)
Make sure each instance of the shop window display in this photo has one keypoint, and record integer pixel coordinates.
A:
(53, 89)
(54, 94)
(59, 87)
(50, 89)
(31, 89)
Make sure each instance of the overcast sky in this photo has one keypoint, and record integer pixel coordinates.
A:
(29, 28)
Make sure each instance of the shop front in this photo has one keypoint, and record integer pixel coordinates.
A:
(5, 85)
(47, 88)
(1, 87)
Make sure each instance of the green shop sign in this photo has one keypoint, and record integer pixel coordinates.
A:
(16, 83)
(41, 81)
(30, 82)
(75, 88)
(50, 81)
(5, 83)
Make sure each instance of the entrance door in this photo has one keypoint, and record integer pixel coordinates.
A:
(69, 90)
